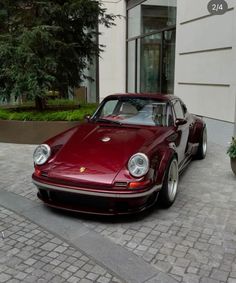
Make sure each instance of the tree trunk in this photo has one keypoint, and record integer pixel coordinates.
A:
(40, 103)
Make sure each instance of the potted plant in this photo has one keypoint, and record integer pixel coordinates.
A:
(232, 154)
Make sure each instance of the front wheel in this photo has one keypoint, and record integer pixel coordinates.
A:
(202, 147)
(170, 185)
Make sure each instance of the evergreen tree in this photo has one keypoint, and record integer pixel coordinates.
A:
(46, 45)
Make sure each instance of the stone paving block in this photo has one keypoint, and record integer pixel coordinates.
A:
(170, 259)
(48, 246)
(92, 276)
(66, 274)
(178, 254)
(21, 275)
(56, 262)
(208, 280)
(103, 280)
(48, 267)
(219, 275)
(14, 281)
(64, 265)
(60, 249)
(4, 277)
(191, 278)
(163, 266)
(53, 255)
(192, 270)
(176, 270)
(80, 273)
(148, 257)
(11, 271)
(204, 272)
(182, 262)
(73, 279)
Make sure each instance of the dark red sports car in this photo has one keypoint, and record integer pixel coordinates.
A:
(130, 151)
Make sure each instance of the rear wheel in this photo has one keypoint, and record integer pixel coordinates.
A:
(170, 185)
(202, 148)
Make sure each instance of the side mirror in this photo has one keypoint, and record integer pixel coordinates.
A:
(180, 122)
(87, 117)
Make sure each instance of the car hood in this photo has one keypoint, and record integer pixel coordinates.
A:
(96, 153)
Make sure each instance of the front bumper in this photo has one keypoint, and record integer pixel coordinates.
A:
(98, 201)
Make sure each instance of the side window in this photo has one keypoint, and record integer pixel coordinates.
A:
(109, 108)
(169, 116)
(178, 110)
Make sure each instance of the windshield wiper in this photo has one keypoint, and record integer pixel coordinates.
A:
(102, 120)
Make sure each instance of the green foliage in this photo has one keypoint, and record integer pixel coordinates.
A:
(48, 115)
(232, 148)
(46, 45)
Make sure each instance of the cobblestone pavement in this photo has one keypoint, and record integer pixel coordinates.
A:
(29, 254)
(193, 241)
(16, 168)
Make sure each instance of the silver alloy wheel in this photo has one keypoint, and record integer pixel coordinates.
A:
(204, 142)
(173, 178)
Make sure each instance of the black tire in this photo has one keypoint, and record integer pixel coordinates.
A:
(170, 185)
(202, 147)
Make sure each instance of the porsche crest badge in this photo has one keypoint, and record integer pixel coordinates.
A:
(82, 169)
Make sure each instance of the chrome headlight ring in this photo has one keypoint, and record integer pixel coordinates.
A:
(41, 154)
(138, 165)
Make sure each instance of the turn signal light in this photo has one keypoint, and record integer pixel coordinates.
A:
(37, 172)
(139, 185)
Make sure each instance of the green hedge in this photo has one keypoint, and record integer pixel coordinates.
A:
(48, 115)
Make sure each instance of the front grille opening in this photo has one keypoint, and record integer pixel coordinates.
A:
(44, 194)
(83, 202)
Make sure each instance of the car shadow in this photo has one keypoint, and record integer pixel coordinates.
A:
(108, 219)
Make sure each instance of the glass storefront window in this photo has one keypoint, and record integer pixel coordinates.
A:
(131, 66)
(150, 63)
(168, 61)
(151, 46)
(155, 18)
(134, 22)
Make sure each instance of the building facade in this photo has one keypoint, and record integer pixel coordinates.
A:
(173, 47)
(205, 61)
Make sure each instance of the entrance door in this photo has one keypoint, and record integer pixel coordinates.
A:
(150, 67)
(157, 62)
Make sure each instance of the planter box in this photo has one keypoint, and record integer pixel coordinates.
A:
(31, 132)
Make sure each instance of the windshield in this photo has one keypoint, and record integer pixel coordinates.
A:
(138, 111)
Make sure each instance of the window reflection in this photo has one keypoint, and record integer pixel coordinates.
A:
(150, 63)
(155, 18)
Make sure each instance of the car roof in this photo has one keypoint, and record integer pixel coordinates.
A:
(159, 96)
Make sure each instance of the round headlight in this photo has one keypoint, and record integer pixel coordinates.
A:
(41, 154)
(138, 165)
